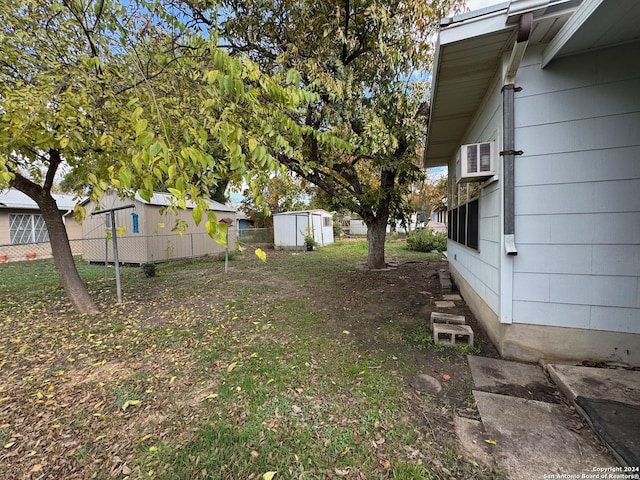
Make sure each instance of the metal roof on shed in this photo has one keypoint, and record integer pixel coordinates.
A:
(15, 199)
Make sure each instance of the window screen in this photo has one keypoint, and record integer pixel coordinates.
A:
(463, 224)
(27, 228)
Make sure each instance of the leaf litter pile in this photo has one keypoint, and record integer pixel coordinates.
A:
(266, 372)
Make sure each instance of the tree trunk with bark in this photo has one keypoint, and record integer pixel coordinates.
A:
(63, 258)
(61, 250)
(376, 235)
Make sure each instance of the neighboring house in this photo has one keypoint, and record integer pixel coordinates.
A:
(290, 228)
(146, 234)
(545, 244)
(22, 228)
(243, 220)
(438, 216)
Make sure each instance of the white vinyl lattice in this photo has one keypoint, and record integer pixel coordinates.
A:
(27, 228)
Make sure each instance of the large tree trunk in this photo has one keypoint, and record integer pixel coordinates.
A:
(60, 248)
(376, 235)
(378, 219)
(63, 258)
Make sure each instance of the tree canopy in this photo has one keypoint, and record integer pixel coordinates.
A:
(363, 59)
(181, 95)
(130, 98)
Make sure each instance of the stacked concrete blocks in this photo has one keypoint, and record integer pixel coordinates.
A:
(450, 329)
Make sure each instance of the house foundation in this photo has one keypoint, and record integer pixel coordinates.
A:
(534, 343)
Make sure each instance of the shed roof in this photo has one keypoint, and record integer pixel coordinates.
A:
(297, 212)
(470, 48)
(164, 200)
(15, 199)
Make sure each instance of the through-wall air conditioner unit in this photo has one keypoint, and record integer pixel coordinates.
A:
(476, 162)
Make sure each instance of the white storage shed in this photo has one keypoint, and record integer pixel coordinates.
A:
(290, 228)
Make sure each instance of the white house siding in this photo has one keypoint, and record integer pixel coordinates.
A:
(481, 268)
(577, 190)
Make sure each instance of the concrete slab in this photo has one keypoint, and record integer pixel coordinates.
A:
(445, 304)
(522, 380)
(590, 382)
(609, 400)
(532, 440)
(454, 297)
(472, 436)
(489, 372)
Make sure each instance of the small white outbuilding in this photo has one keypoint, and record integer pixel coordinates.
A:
(290, 228)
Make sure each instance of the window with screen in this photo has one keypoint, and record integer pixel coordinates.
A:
(27, 228)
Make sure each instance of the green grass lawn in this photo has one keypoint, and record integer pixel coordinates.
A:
(205, 375)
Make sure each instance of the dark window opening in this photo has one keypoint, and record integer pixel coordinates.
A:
(463, 225)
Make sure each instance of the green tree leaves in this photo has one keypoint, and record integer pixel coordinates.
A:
(360, 133)
(126, 97)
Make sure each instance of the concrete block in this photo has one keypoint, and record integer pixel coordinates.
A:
(447, 334)
(445, 281)
(452, 297)
(439, 317)
(444, 304)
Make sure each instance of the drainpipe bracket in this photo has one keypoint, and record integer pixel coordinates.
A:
(511, 152)
(511, 86)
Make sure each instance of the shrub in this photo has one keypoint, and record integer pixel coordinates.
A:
(427, 241)
(149, 269)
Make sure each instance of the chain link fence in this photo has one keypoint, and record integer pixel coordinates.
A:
(139, 249)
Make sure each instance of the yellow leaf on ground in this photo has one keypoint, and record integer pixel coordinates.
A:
(153, 448)
(9, 445)
(346, 332)
(129, 403)
(211, 397)
(261, 255)
(491, 442)
(268, 475)
(231, 366)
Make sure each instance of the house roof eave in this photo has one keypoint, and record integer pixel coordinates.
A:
(469, 55)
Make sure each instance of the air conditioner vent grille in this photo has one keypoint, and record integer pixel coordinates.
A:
(485, 157)
(476, 162)
(472, 158)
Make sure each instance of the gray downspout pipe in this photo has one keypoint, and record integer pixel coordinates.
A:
(508, 145)
(509, 152)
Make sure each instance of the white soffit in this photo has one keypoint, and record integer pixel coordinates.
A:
(468, 57)
(596, 24)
